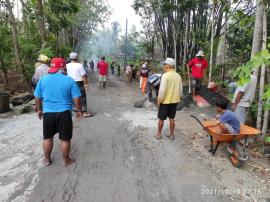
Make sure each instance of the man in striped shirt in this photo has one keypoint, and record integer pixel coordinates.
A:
(153, 83)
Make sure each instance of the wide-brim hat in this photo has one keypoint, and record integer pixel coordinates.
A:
(43, 58)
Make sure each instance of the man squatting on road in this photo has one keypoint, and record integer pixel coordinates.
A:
(170, 93)
(153, 83)
(55, 92)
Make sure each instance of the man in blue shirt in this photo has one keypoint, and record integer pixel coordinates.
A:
(229, 123)
(55, 93)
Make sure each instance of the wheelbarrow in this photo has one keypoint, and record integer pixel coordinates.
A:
(217, 137)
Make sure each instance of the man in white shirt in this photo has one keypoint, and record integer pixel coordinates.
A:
(243, 98)
(76, 71)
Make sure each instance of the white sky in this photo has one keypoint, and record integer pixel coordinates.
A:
(122, 10)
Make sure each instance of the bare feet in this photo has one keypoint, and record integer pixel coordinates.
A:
(69, 161)
(47, 162)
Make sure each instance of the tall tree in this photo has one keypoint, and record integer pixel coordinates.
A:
(16, 46)
(41, 23)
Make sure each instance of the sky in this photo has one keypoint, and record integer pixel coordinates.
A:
(122, 10)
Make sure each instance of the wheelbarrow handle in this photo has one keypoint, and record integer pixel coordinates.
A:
(198, 120)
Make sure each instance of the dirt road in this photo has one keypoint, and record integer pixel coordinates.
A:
(118, 159)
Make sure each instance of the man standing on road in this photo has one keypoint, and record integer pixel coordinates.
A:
(41, 69)
(56, 92)
(76, 71)
(198, 66)
(103, 71)
(112, 67)
(170, 93)
(243, 98)
(144, 76)
(92, 65)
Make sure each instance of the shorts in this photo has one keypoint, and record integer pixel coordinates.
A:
(58, 122)
(230, 129)
(241, 113)
(167, 110)
(102, 78)
(196, 83)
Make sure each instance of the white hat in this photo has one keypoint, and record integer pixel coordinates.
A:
(169, 61)
(73, 56)
(200, 53)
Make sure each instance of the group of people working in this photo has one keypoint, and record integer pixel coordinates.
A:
(168, 90)
(57, 95)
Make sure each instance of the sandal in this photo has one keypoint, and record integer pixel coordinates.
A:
(171, 137)
(69, 162)
(86, 114)
(158, 138)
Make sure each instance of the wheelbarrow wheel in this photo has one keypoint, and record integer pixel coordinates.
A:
(235, 161)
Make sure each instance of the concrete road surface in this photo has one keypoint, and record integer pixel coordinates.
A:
(118, 159)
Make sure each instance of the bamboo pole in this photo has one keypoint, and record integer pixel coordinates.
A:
(212, 44)
(262, 77)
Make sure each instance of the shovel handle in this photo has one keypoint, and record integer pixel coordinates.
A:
(189, 84)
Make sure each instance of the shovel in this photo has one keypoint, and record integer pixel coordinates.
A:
(189, 82)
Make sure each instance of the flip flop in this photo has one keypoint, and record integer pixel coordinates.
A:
(69, 162)
(88, 115)
(158, 138)
(47, 163)
(171, 137)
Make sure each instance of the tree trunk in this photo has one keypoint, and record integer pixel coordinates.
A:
(41, 23)
(14, 37)
(222, 44)
(4, 70)
(212, 44)
(262, 77)
(258, 31)
(174, 44)
(184, 61)
(266, 112)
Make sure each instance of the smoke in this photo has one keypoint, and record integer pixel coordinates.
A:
(105, 42)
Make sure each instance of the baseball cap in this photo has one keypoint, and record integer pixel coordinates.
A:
(56, 64)
(73, 56)
(169, 61)
(200, 53)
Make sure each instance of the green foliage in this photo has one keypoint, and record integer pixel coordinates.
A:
(61, 14)
(243, 72)
(67, 24)
(47, 51)
(6, 53)
(30, 47)
(240, 36)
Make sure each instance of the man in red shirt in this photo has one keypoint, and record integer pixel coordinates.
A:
(103, 71)
(198, 66)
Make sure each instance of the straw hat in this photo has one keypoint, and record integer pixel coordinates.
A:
(43, 58)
